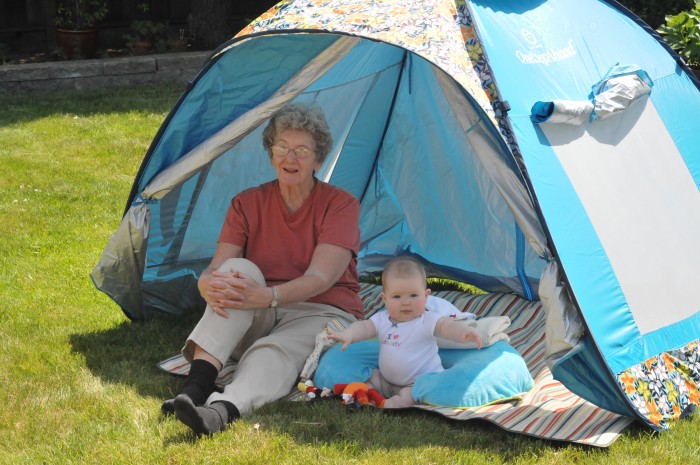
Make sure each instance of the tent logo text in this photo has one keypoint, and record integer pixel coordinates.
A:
(538, 54)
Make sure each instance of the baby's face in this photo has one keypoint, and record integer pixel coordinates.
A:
(405, 298)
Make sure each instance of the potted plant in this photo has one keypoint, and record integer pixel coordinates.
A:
(179, 43)
(147, 35)
(76, 34)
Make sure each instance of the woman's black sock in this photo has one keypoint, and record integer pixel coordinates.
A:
(200, 381)
(199, 385)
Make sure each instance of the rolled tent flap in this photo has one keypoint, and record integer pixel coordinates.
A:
(120, 269)
(564, 327)
(620, 87)
(616, 93)
(562, 111)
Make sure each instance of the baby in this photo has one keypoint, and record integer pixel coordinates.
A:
(406, 332)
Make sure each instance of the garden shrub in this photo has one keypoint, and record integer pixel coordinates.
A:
(682, 33)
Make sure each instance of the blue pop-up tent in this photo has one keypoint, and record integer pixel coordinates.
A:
(549, 148)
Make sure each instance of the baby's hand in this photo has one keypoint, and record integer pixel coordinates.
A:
(471, 335)
(343, 337)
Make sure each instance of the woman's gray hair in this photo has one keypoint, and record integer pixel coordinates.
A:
(299, 117)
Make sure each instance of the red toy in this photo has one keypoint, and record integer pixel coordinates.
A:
(359, 394)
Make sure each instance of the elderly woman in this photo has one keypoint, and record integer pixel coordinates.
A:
(285, 265)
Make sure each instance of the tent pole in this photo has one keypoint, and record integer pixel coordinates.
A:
(386, 124)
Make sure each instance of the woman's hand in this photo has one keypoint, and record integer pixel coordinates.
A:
(230, 289)
(234, 290)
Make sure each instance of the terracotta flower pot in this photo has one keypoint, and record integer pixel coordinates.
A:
(142, 47)
(177, 45)
(77, 43)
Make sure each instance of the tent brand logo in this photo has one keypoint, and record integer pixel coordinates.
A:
(538, 54)
(531, 38)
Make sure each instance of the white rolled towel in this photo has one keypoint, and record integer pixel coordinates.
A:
(491, 329)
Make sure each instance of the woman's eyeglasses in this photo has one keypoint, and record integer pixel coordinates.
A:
(300, 153)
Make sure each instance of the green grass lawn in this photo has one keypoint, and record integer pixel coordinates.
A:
(79, 382)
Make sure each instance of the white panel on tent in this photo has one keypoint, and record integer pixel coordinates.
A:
(628, 174)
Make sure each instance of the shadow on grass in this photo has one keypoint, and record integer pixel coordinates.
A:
(129, 353)
(328, 425)
(147, 99)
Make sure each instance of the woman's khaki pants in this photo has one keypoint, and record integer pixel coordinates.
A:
(271, 345)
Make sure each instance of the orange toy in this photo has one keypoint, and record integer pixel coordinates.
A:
(358, 393)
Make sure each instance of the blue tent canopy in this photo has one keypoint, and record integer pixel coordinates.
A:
(547, 148)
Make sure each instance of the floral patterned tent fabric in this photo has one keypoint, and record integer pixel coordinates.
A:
(438, 31)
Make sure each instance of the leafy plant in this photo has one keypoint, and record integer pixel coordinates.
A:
(682, 33)
(80, 14)
(145, 29)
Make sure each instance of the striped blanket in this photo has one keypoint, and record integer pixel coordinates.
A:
(548, 411)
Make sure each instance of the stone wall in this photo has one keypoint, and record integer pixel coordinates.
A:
(103, 73)
(110, 72)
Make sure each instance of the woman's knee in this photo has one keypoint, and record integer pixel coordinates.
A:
(243, 265)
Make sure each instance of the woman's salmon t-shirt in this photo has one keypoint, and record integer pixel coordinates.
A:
(281, 244)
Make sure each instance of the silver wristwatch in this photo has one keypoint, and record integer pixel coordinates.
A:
(275, 297)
